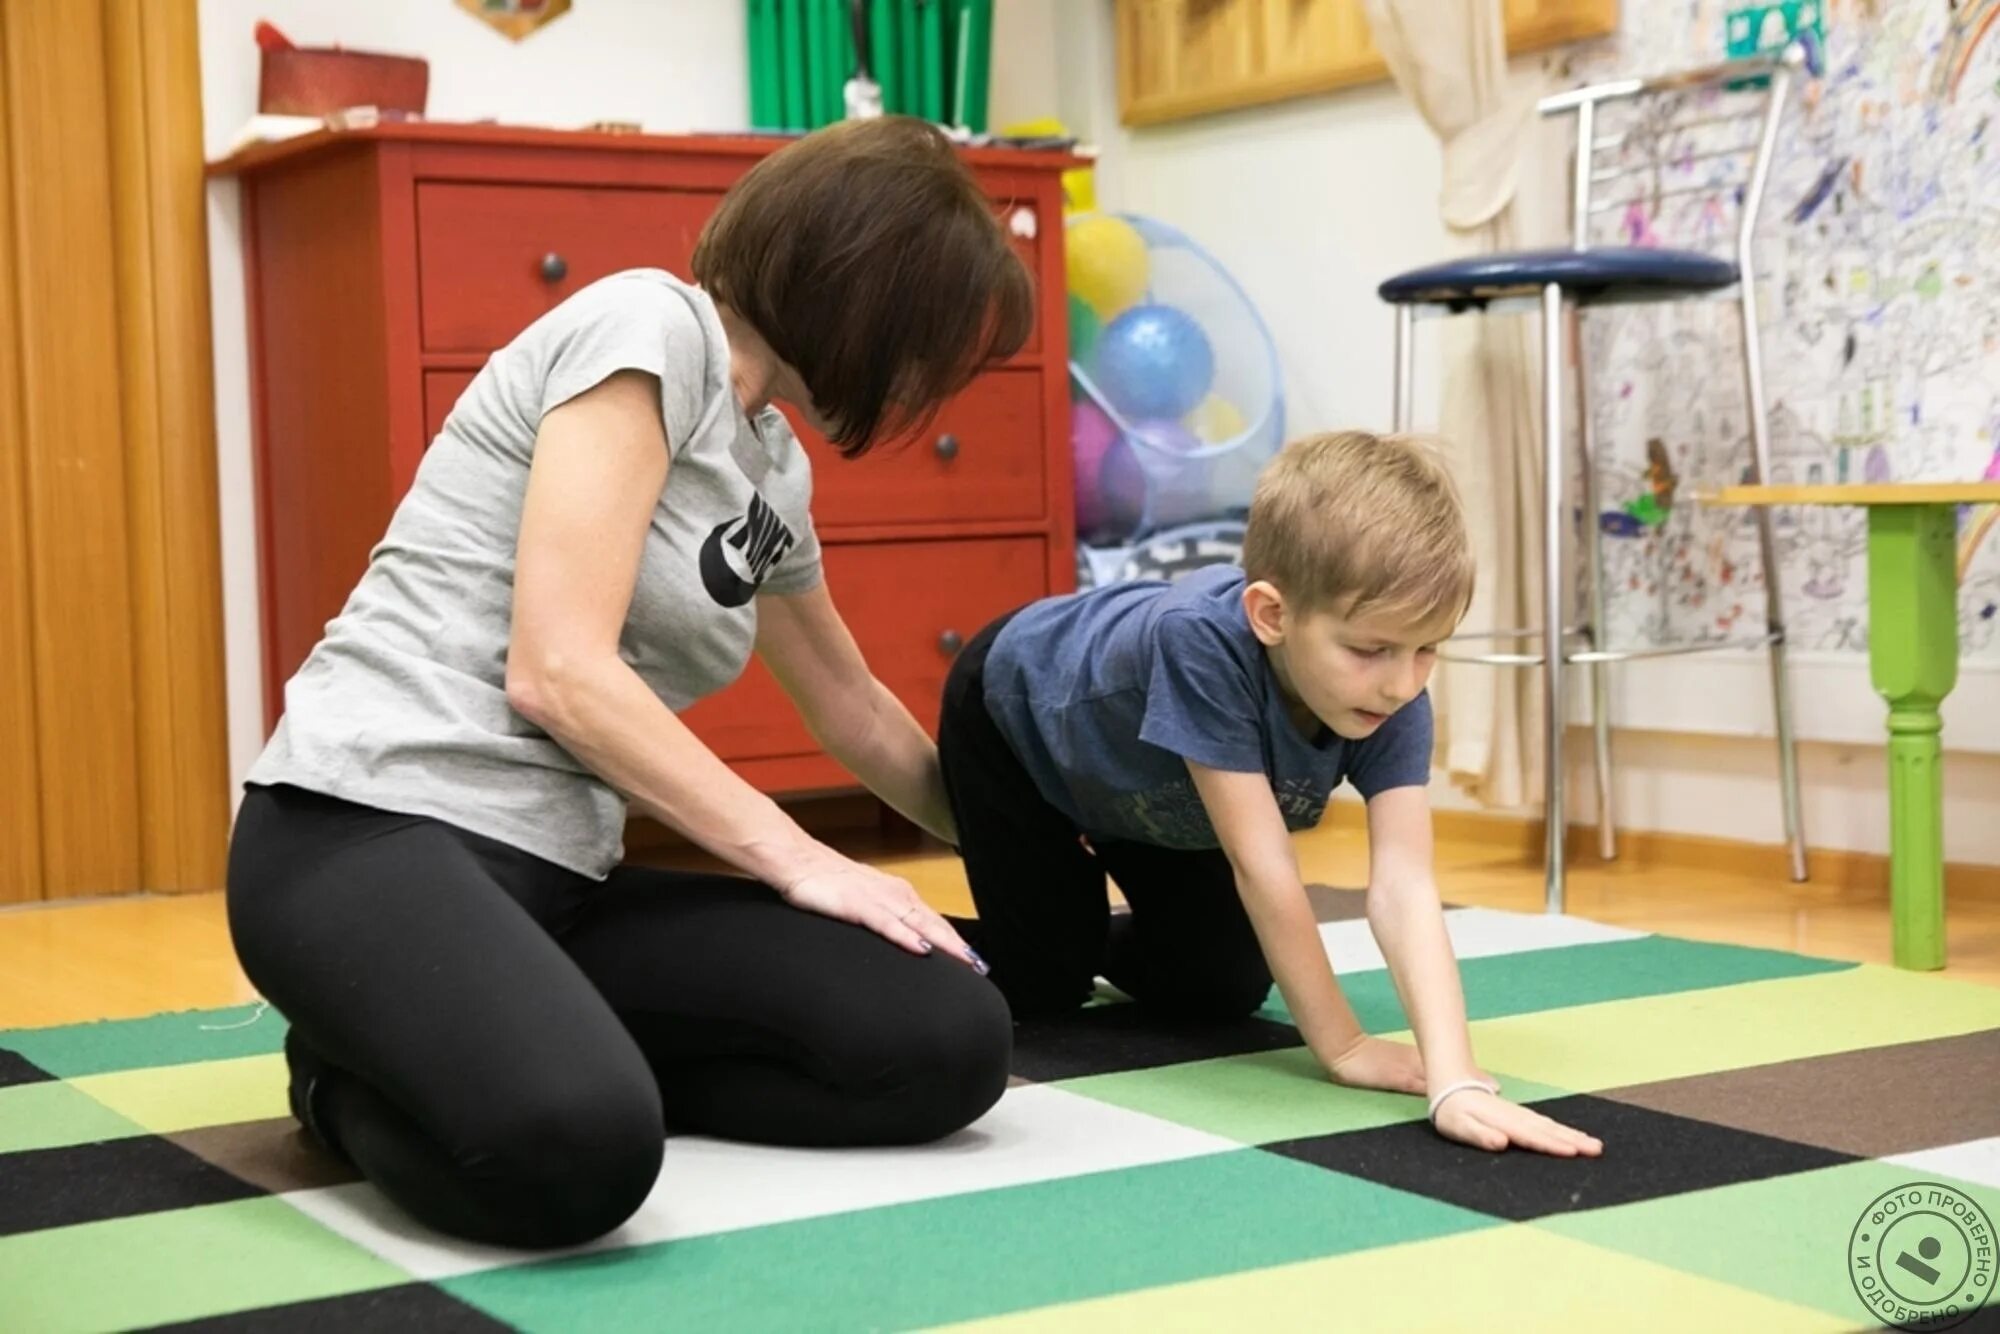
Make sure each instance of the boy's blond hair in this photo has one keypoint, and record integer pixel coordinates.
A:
(1356, 523)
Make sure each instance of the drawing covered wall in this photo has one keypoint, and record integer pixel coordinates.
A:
(1879, 252)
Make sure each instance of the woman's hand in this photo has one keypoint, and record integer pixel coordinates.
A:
(1487, 1121)
(888, 905)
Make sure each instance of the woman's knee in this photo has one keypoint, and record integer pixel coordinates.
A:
(570, 1163)
(944, 1063)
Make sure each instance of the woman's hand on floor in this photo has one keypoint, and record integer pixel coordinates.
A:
(888, 905)
(1487, 1121)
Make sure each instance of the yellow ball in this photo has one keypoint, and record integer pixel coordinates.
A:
(1107, 263)
(1215, 419)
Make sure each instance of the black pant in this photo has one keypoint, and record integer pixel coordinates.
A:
(1045, 925)
(500, 1044)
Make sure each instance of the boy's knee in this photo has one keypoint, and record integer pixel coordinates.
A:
(1235, 995)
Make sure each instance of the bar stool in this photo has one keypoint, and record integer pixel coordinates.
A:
(1671, 123)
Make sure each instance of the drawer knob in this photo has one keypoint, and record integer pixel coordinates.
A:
(950, 642)
(946, 446)
(554, 268)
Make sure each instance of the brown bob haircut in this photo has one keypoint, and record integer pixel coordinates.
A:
(867, 257)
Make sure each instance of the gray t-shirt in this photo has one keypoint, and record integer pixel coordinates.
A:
(1106, 694)
(403, 703)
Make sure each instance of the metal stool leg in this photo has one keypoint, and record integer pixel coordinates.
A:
(1554, 514)
(1593, 538)
(1406, 365)
(1774, 615)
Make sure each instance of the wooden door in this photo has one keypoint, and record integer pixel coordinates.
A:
(113, 770)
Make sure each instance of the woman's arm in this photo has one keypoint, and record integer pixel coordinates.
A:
(600, 466)
(809, 649)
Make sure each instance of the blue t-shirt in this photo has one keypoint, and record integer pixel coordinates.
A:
(1105, 694)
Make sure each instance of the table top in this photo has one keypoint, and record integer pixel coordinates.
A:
(1863, 493)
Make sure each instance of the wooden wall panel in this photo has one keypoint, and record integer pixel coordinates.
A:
(156, 148)
(113, 772)
(77, 514)
(20, 750)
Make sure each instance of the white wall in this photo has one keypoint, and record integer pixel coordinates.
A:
(668, 64)
(1310, 204)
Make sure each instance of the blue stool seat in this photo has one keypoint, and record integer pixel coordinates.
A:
(1602, 273)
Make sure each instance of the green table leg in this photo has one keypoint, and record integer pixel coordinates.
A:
(1913, 660)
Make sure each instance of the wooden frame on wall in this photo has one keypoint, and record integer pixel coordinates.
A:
(1183, 58)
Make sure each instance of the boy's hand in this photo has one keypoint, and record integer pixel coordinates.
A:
(1374, 1063)
(1488, 1121)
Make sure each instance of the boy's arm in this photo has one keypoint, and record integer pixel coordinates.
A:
(1259, 848)
(1408, 922)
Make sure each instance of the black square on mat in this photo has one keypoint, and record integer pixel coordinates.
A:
(88, 1183)
(1107, 1039)
(1647, 1155)
(18, 1069)
(409, 1306)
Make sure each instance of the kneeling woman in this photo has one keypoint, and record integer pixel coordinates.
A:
(491, 1017)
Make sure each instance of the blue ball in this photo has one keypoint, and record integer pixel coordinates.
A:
(1154, 361)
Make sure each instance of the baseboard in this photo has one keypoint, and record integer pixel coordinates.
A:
(1835, 869)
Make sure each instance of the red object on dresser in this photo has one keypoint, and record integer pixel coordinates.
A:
(384, 265)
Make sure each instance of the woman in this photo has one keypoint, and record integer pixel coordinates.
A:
(493, 1019)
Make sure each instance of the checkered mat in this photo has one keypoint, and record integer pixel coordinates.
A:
(1755, 1106)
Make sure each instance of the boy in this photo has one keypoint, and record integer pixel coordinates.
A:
(1175, 734)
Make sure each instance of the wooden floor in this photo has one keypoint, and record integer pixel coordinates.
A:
(134, 956)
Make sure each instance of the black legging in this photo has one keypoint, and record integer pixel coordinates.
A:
(500, 1044)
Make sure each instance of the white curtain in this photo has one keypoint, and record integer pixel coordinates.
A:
(1449, 57)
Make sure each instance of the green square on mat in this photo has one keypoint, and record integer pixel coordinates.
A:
(180, 1264)
(1529, 981)
(1786, 1237)
(1264, 1097)
(161, 1039)
(983, 1253)
(52, 1115)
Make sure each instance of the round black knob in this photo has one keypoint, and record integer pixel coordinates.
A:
(950, 642)
(554, 268)
(947, 446)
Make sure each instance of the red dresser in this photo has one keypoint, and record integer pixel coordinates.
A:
(384, 266)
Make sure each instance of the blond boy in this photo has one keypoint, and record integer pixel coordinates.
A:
(1176, 735)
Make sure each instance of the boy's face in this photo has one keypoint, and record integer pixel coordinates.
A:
(1350, 673)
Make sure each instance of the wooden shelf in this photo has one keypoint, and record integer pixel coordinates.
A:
(1880, 493)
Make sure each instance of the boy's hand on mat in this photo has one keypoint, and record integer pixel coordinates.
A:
(886, 904)
(1376, 1063)
(1487, 1121)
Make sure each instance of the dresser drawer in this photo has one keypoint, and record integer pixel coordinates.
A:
(983, 458)
(911, 605)
(492, 258)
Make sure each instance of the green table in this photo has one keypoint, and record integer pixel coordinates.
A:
(1913, 662)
